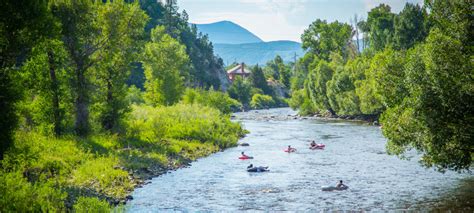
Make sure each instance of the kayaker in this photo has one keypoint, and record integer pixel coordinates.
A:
(313, 143)
(244, 155)
(250, 166)
(290, 149)
(340, 184)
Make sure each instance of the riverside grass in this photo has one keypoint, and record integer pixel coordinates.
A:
(41, 173)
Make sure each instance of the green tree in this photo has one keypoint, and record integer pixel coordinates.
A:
(46, 77)
(380, 26)
(272, 68)
(165, 62)
(316, 86)
(240, 90)
(437, 117)
(387, 71)
(258, 80)
(206, 69)
(454, 19)
(341, 88)
(123, 25)
(409, 27)
(80, 35)
(322, 38)
(22, 22)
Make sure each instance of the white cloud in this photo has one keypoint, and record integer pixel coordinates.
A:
(396, 5)
(279, 6)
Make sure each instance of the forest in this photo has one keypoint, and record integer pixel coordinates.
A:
(415, 74)
(98, 96)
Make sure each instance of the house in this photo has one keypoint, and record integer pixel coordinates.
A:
(238, 70)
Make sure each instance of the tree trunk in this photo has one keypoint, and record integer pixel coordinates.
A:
(82, 103)
(55, 98)
(110, 118)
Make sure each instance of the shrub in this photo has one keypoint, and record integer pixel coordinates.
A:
(91, 204)
(183, 122)
(262, 101)
(219, 100)
(100, 174)
(19, 195)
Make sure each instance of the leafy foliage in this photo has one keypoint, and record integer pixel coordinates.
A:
(322, 38)
(260, 101)
(420, 85)
(211, 98)
(240, 90)
(165, 63)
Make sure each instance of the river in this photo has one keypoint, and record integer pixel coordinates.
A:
(355, 153)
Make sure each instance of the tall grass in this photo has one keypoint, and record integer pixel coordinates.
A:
(41, 173)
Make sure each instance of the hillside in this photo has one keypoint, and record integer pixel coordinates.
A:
(258, 53)
(227, 32)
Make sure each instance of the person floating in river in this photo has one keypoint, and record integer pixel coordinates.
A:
(340, 184)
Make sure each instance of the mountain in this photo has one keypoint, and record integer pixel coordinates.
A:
(227, 32)
(258, 53)
(234, 43)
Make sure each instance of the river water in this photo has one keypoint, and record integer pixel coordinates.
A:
(355, 153)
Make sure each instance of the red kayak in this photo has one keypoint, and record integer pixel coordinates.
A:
(245, 157)
(290, 150)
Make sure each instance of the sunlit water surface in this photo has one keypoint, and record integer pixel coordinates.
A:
(355, 153)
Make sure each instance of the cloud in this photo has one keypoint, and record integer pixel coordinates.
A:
(396, 5)
(278, 6)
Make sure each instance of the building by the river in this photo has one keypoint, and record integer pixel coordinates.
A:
(239, 70)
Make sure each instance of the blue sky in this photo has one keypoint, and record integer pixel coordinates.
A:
(281, 19)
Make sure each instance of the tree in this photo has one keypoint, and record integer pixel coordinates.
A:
(257, 78)
(272, 68)
(409, 27)
(322, 38)
(207, 70)
(22, 22)
(46, 77)
(80, 35)
(454, 19)
(387, 71)
(84, 33)
(380, 26)
(341, 88)
(123, 25)
(165, 62)
(436, 118)
(316, 86)
(240, 90)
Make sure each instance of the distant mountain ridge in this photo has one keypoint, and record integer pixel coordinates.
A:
(258, 53)
(227, 32)
(234, 43)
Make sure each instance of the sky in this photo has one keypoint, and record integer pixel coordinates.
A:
(273, 20)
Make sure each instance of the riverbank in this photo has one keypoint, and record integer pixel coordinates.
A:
(293, 115)
(42, 173)
(354, 150)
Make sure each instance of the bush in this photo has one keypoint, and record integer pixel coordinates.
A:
(218, 100)
(260, 101)
(19, 195)
(91, 204)
(183, 122)
(100, 174)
